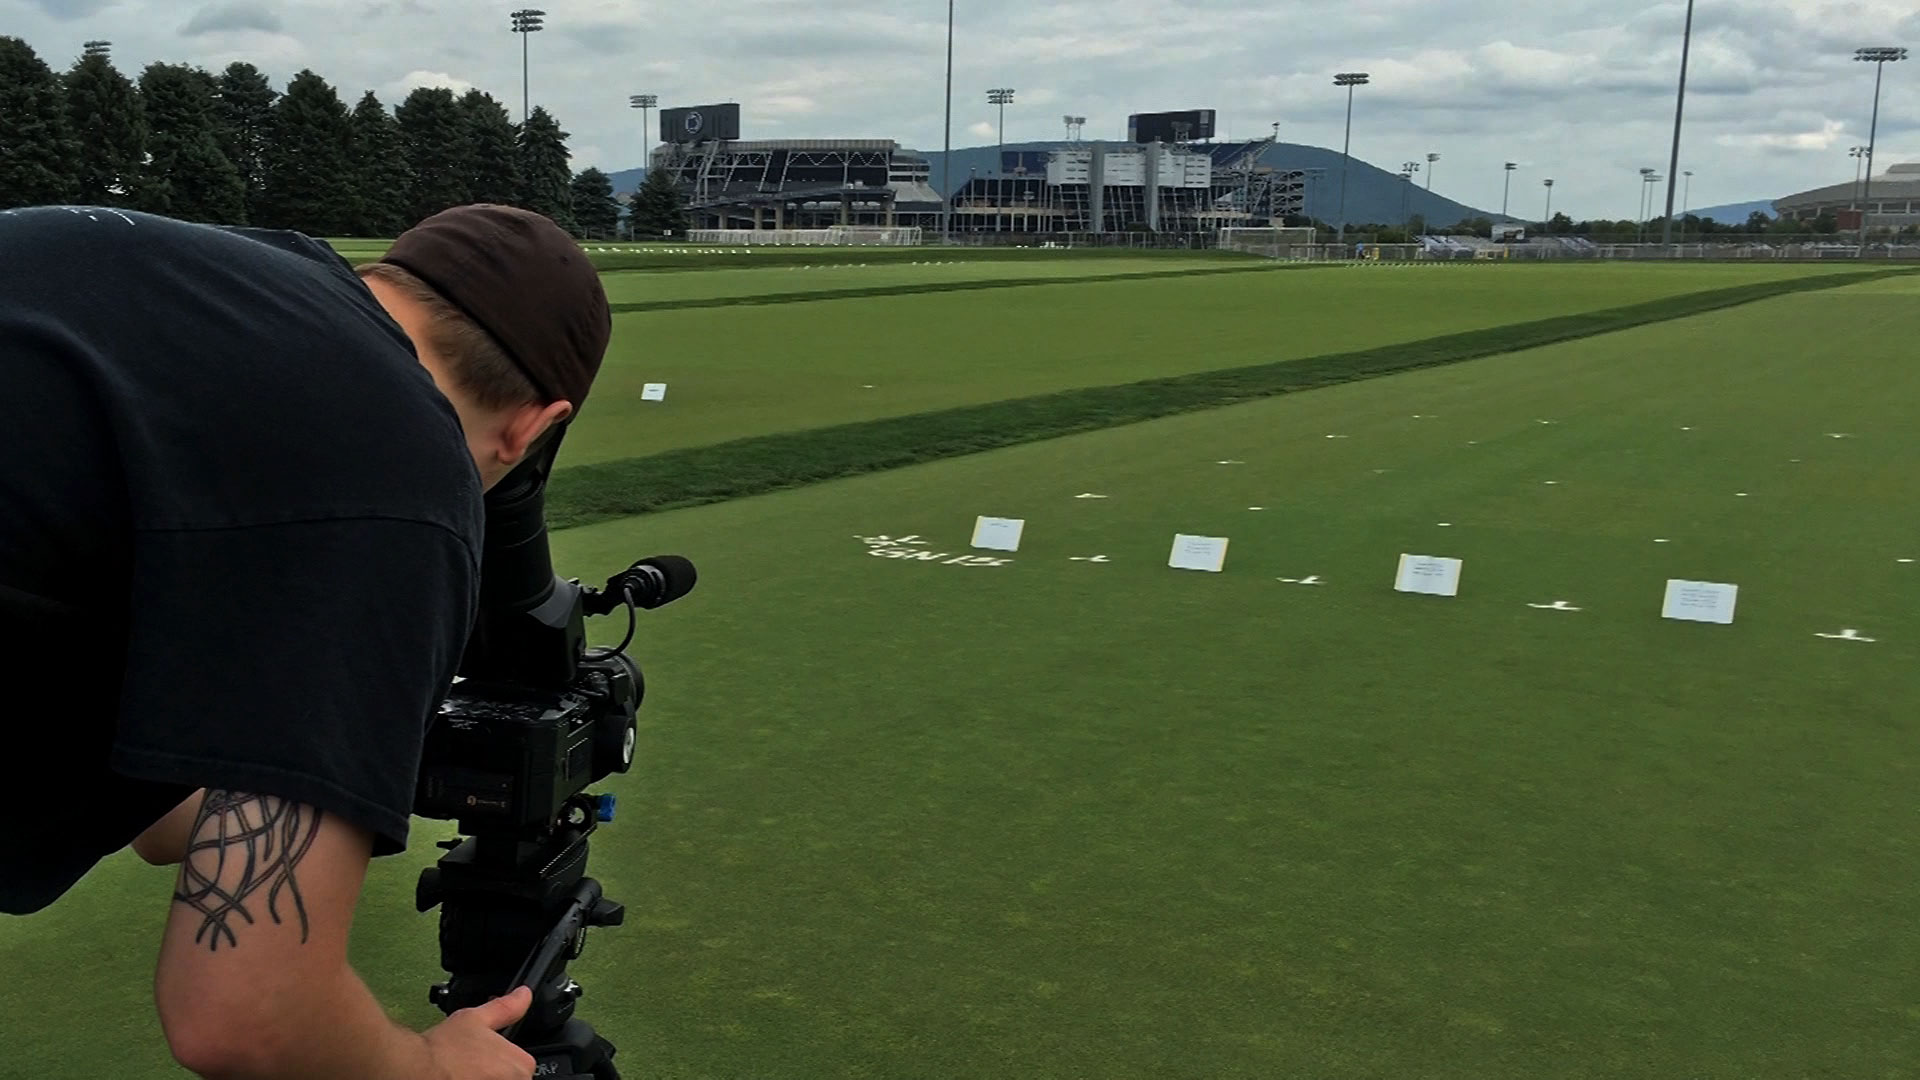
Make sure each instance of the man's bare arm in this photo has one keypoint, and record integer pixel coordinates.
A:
(253, 980)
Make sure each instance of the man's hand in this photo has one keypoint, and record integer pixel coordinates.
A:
(466, 1045)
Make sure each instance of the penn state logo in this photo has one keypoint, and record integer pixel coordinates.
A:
(694, 122)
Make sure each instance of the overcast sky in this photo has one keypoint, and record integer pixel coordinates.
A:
(1578, 90)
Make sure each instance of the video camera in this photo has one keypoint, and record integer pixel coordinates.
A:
(532, 719)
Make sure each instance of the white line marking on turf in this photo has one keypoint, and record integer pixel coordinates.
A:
(1686, 429)
(1256, 508)
(1088, 558)
(1446, 524)
(1661, 540)
(1739, 494)
(1550, 483)
(1906, 560)
(1339, 436)
(1229, 463)
(1089, 495)
(1310, 579)
(1838, 435)
(1846, 635)
(1557, 605)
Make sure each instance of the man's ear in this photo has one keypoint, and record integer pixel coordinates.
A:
(526, 424)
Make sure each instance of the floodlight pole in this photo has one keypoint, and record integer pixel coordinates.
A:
(97, 48)
(1001, 96)
(1679, 110)
(1431, 159)
(1859, 156)
(1507, 189)
(946, 153)
(1646, 178)
(526, 22)
(1879, 58)
(1348, 79)
(1686, 203)
(1547, 222)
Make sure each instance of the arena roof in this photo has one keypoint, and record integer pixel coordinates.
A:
(1900, 182)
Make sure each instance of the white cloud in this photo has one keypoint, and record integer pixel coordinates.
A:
(982, 130)
(398, 89)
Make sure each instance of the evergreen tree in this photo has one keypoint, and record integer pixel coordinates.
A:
(433, 135)
(595, 210)
(187, 175)
(492, 151)
(380, 171)
(245, 124)
(546, 178)
(105, 116)
(36, 150)
(309, 181)
(657, 208)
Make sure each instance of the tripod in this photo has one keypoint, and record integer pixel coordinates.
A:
(513, 911)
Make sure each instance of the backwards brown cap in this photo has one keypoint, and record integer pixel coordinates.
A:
(521, 278)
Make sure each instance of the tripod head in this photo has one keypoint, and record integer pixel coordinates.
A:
(532, 719)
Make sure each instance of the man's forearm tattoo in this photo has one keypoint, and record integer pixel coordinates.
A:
(241, 844)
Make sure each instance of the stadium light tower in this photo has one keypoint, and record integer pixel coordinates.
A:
(1507, 189)
(1879, 57)
(526, 23)
(946, 154)
(1406, 194)
(645, 103)
(1348, 79)
(1640, 208)
(1548, 220)
(1686, 202)
(1003, 97)
(97, 48)
(1431, 160)
(1679, 110)
(1859, 156)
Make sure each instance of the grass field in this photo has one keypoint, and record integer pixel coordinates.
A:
(897, 817)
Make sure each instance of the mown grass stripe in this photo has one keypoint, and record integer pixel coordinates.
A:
(690, 476)
(910, 288)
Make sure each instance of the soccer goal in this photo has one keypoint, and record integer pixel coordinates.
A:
(1273, 242)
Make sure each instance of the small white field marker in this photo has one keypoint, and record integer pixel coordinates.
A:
(1310, 579)
(1446, 524)
(1338, 436)
(1423, 416)
(1256, 508)
(1551, 483)
(1546, 421)
(1089, 495)
(1686, 429)
(1845, 635)
(1557, 605)
(1229, 463)
(1838, 435)
(1661, 540)
(1740, 494)
(1906, 560)
(866, 386)
(1088, 558)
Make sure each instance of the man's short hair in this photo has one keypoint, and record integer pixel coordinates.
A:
(476, 360)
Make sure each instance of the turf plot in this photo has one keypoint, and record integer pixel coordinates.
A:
(1045, 822)
(1067, 818)
(733, 372)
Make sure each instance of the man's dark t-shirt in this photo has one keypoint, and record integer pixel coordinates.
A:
(239, 536)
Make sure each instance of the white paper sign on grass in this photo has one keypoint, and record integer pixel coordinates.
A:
(1700, 601)
(654, 391)
(1198, 553)
(997, 533)
(1428, 574)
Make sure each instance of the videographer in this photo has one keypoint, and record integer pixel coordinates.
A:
(240, 542)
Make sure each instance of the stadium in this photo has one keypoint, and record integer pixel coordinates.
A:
(1171, 178)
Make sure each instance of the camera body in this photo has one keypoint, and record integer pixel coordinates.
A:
(505, 759)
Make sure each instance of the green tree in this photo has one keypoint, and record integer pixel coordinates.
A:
(1759, 221)
(187, 175)
(380, 171)
(1560, 225)
(36, 149)
(657, 208)
(104, 114)
(595, 211)
(245, 117)
(492, 150)
(1826, 224)
(433, 137)
(546, 178)
(309, 179)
